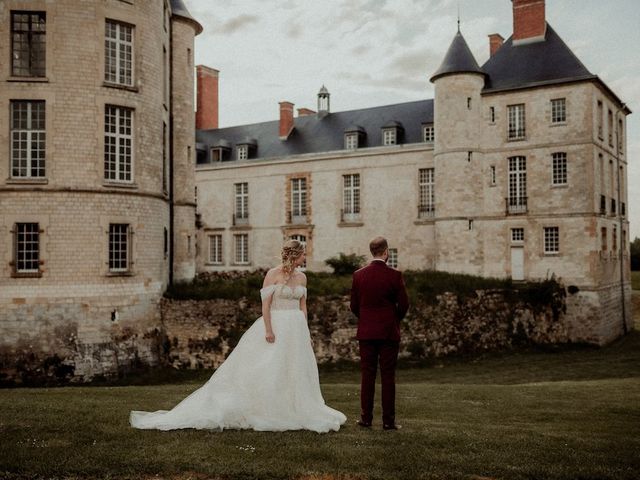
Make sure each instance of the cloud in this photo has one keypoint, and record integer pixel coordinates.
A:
(236, 24)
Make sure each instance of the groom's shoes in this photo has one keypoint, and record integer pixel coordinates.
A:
(392, 426)
(363, 424)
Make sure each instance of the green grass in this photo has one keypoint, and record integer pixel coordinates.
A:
(564, 413)
(635, 280)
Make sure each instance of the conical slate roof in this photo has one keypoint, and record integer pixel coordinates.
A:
(458, 59)
(179, 9)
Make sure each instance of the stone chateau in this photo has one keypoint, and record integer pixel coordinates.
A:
(516, 168)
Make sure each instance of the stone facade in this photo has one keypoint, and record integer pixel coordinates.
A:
(75, 315)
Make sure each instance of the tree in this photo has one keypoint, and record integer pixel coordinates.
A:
(635, 254)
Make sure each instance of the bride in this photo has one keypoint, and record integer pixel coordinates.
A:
(270, 380)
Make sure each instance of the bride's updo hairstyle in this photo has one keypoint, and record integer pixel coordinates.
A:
(291, 250)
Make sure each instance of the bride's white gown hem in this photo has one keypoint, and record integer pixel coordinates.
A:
(261, 386)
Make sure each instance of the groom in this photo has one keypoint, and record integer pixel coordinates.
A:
(379, 300)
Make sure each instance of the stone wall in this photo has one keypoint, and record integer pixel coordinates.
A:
(202, 333)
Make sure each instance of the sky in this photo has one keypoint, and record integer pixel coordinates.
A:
(380, 52)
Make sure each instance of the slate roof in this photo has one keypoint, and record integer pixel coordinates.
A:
(458, 59)
(314, 134)
(179, 9)
(533, 64)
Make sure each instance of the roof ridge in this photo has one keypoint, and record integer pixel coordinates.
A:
(266, 122)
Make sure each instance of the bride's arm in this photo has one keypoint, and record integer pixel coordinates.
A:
(303, 299)
(266, 308)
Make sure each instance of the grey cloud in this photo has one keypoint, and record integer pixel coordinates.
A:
(237, 23)
(361, 50)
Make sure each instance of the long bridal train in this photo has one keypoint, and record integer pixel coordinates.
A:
(260, 386)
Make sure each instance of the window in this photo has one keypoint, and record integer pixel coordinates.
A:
(559, 169)
(468, 103)
(470, 224)
(241, 249)
(350, 141)
(28, 44)
(243, 152)
(389, 136)
(215, 249)
(118, 144)
(492, 114)
(551, 240)
(351, 197)
(393, 258)
(299, 200)
(427, 205)
(610, 127)
(600, 114)
(164, 158)
(558, 110)
(242, 202)
(492, 175)
(27, 139)
(469, 156)
(166, 242)
(603, 239)
(428, 133)
(119, 247)
(516, 122)
(517, 235)
(27, 248)
(165, 75)
(620, 137)
(517, 200)
(118, 44)
(614, 239)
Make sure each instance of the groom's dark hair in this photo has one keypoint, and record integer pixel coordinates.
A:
(377, 246)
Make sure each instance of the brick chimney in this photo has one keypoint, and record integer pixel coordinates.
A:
(286, 120)
(495, 42)
(303, 112)
(207, 101)
(529, 22)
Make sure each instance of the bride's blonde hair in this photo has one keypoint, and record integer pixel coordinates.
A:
(291, 250)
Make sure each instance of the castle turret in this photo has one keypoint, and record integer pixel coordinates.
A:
(183, 207)
(457, 114)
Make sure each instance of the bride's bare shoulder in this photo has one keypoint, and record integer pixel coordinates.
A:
(301, 278)
(271, 276)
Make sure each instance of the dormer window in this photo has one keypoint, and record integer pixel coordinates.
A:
(428, 133)
(354, 137)
(392, 133)
(350, 141)
(221, 151)
(246, 149)
(389, 136)
(243, 152)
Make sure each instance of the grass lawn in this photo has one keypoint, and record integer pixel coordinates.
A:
(564, 413)
(635, 280)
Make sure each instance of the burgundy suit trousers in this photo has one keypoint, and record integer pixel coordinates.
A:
(386, 352)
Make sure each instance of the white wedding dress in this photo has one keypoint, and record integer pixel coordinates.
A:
(260, 386)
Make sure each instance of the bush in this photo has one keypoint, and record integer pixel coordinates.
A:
(345, 264)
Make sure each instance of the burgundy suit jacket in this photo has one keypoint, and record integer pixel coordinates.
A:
(379, 300)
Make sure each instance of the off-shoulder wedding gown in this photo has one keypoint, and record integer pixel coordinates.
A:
(260, 386)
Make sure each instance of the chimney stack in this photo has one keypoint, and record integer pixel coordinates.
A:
(529, 22)
(495, 42)
(207, 101)
(286, 120)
